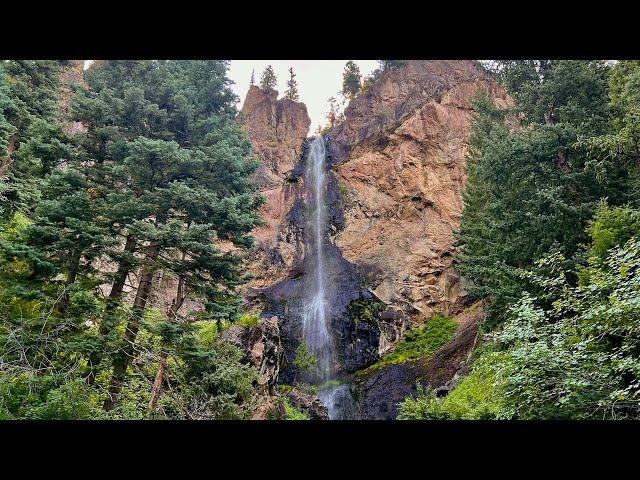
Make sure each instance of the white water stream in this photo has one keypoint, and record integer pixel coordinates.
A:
(315, 319)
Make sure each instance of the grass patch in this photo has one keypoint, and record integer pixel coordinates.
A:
(418, 343)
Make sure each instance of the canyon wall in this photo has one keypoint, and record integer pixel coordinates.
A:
(398, 170)
(277, 129)
(400, 159)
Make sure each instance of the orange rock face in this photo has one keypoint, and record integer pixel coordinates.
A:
(277, 129)
(400, 157)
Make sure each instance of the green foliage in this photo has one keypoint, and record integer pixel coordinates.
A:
(569, 353)
(476, 397)
(364, 310)
(163, 171)
(268, 81)
(529, 187)
(611, 226)
(418, 343)
(304, 360)
(351, 80)
(291, 413)
(248, 320)
(292, 87)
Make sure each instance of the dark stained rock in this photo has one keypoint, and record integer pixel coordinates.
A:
(380, 391)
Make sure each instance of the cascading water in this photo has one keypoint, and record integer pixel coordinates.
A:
(316, 313)
(315, 319)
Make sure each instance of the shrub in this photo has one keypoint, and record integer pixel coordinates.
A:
(476, 397)
(248, 320)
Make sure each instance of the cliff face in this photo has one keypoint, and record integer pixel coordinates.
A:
(400, 159)
(277, 129)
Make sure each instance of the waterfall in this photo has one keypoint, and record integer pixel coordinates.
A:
(315, 312)
(319, 286)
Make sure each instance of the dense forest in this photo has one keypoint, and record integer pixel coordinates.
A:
(158, 184)
(549, 238)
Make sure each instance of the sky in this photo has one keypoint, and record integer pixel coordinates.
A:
(317, 81)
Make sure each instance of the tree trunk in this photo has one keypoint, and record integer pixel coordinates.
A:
(157, 384)
(112, 301)
(121, 361)
(74, 266)
(6, 160)
(172, 313)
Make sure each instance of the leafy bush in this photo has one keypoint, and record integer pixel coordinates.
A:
(292, 413)
(476, 397)
(304, 359)
(611, 226)
(364, 310)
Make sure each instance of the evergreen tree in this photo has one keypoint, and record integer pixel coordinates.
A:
(177, 181)
(268, 81)
(32, 139)
(351, 80)
(528, 187)
(332, 114)
(292, 87)
(253, 77)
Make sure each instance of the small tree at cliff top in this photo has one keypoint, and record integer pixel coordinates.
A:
(253, 77)
(332, 115)
(351, 80)
(268, 80)
(292, 87)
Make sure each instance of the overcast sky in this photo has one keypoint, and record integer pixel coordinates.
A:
(317, 80)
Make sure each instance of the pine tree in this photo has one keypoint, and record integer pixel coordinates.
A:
(177, 180)
(253, 77)
(292, 87)
(33, 140)
(268, 81)
(332, 114)
(528, 188)
(351, 80)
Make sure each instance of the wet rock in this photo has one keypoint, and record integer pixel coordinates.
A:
(308, 404)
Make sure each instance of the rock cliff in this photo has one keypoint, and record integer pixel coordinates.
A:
(277, 129)
(400, 159)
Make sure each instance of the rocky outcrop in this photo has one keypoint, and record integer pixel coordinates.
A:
(398, 170)
(400, 159)
(277, 129)
(308, 404)
(380, 391)
(263, 349)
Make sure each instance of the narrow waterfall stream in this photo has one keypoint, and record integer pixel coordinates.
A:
(316, 314)
(315, 319)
